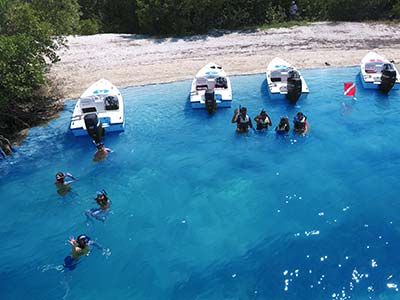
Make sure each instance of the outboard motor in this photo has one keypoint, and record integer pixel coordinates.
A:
(388, 78)
(294, 86)
(210, 101)
(93, 127)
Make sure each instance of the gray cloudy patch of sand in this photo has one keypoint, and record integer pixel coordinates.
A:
(129, 60)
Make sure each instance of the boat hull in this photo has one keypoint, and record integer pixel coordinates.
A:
(80, 131)
(220, 104)
(281, 96)
(371, 85)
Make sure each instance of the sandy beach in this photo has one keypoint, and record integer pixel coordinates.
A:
(129, 60)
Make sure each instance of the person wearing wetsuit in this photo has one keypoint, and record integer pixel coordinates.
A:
(242, 120)
(300, 123)
(80, 247)
(263, 120)
(283, 126)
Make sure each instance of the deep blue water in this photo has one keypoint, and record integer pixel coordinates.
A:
(200, 212)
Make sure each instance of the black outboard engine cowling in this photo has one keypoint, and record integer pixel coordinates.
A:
(210, 101)
(294, 86)
(93, 127)
(388, 78)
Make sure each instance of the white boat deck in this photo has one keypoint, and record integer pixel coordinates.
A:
(211, 76)
(104, 99)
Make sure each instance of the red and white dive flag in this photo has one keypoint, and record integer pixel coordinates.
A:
(349, 89)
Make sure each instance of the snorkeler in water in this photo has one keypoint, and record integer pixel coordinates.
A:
(100, 212)
(62, 185)
(80, 247)
(101, 152)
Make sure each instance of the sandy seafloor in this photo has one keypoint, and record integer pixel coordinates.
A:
(130, 60)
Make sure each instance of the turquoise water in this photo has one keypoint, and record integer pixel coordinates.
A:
(200, 212)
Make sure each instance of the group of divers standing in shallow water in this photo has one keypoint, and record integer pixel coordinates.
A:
(263, 121)
(81, 245)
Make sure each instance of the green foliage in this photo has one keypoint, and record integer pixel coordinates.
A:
(313, 10)
(162, 17)
(120, 16)
(342, 10)
(20, 68)
(396, 11)
(275, 14)
(89, 26)
(62, 15)
(30, 34)
(111, 15)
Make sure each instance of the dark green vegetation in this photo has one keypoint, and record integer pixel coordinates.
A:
(31, 31)
(174, 17)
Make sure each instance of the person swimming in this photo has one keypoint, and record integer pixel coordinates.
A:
(100, 212)
(300, 123)
(283, 126)
(242, 120)
(101, 152)
(263, 120)
(63, 186)
(80, 247)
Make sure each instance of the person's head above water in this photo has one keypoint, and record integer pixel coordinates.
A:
(82, 240)
(243, 110)
(60, 176)
(300, 116)
(101, 194)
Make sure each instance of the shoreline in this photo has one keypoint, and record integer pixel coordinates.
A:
(134, 60)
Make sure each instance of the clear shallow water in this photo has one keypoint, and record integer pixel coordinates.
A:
(200, 212)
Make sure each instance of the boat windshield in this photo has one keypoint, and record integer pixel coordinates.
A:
(373, 67)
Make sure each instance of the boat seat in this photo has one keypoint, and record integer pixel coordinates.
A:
(201, 87)
(275, 79)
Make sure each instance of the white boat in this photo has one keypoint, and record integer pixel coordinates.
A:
(284, 81)
(379, 73)
(211, 88)
(99, 109)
